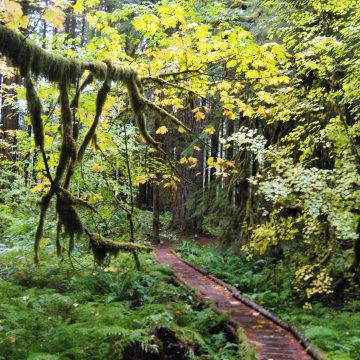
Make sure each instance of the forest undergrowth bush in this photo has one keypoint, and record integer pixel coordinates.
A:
(332, 326)
(54, 311)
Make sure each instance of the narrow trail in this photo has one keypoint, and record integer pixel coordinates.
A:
(273, 342)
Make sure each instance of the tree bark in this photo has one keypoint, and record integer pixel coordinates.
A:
(156, 197)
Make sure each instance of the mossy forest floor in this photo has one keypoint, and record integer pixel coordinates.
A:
(77, 311)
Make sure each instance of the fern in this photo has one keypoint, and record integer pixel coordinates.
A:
(92, 314)
(321, 331)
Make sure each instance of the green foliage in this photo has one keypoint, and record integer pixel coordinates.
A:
(258, 278)
(335, 331)
(52, 312)
(301, 164)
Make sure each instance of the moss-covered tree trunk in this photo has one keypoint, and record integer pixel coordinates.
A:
(156, 195)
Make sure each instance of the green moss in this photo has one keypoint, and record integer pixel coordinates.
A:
(30, 58)
(44, 205)
(75, 102)
(102, 247)
(68, 217)
(35, 109)
(100, 101)
(97, 68)
(27, 56)
(68, 146)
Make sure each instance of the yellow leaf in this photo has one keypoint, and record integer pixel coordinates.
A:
(37, 188)
(95, 198)
(171, 184)
(79, 6)
(96, 168)
(265, 96)
(167, 102)
(210, 161)
(111, 269)
(209, 130)
(192, 160)
(11, 14)
(252, 74)
(148, 23)
(181, 130)
(141, 179)
(249, 111)
(54, 16)
(162, 130)
(91, 3)
(262, 111)
(142, 139)
(199, 116)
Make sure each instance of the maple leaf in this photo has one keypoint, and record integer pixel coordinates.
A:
(209, 130)
(162, 130)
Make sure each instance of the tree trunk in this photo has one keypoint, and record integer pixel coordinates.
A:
(156, 196)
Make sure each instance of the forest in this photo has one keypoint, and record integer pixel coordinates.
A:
(179, 179)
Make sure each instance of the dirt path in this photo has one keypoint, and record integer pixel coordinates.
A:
(273, 341)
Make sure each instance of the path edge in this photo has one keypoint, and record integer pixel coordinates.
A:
(233, 325)
(299, 336)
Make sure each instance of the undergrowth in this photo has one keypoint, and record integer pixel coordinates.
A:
(52, 311)
(335, 330)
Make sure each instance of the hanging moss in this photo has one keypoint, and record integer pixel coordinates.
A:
(100, 101)
(27, 56)
(68, 216)
(44, 205)
(35, 109)
(75, 102)
(102, 247)
(138, 107)
(30, 58)
(59, 248)
(69, 174)
(68, 146)
(97, 68)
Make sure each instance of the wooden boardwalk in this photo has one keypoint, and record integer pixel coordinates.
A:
(272, 341)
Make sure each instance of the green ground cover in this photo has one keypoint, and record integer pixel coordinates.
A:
(53, 311)
(334, 328)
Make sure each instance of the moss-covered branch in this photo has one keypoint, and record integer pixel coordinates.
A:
(32, 60)
(35, 109)
(102, 247)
